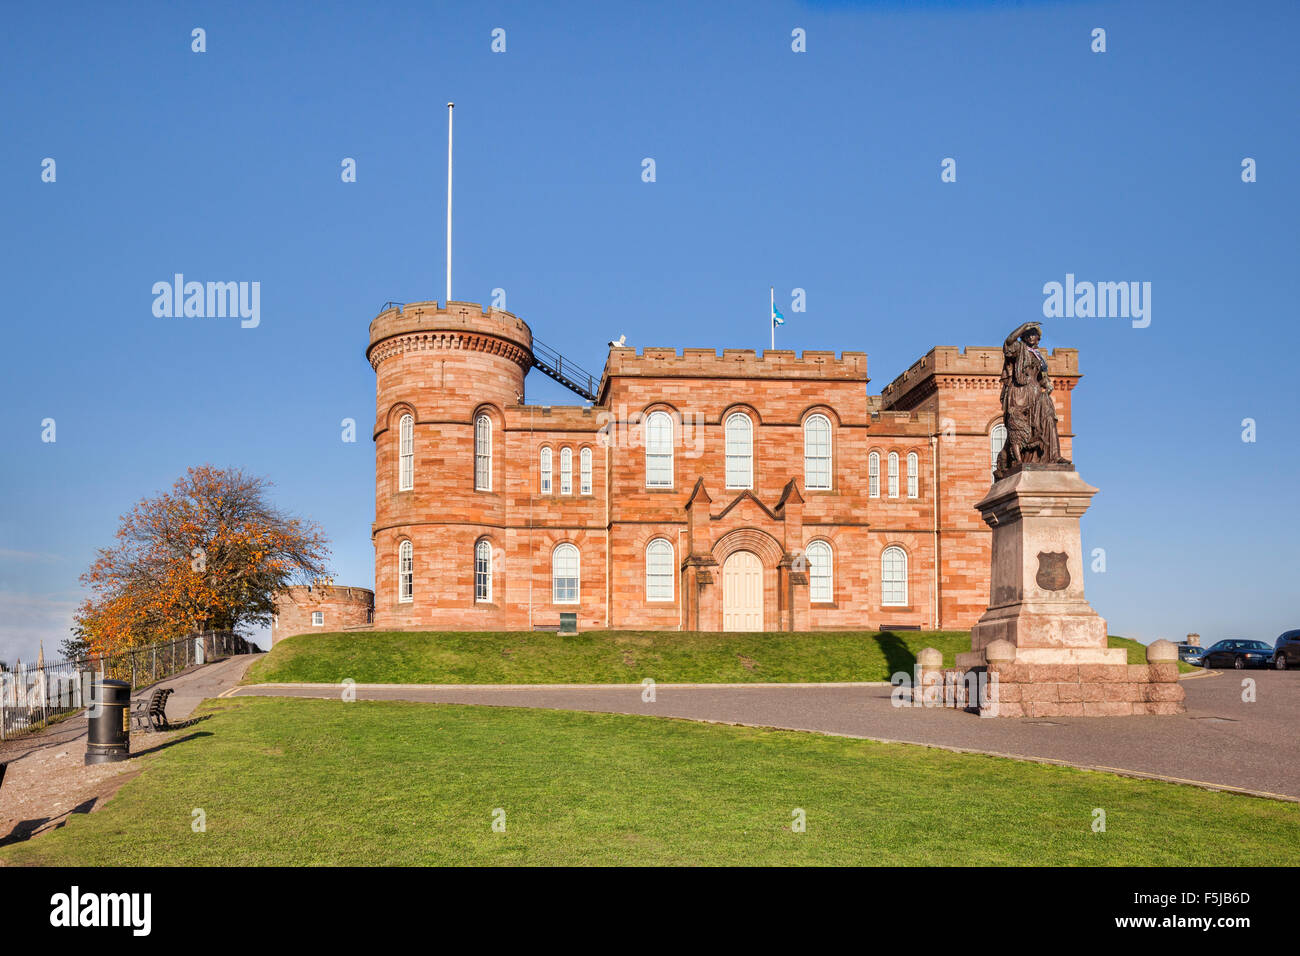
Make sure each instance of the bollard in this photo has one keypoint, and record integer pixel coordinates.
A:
(109, 737)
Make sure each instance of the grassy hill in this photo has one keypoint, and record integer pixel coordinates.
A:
(601, 657)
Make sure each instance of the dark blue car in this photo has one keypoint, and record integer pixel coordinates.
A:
(1239, 654)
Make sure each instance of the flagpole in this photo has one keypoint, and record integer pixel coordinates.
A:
(449, 108)
(771, 313)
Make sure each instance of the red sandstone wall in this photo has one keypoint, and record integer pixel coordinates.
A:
(341, 607)
(445, 365)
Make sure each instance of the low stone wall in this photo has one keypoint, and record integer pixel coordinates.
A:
(1005, 687)
(1083, 690)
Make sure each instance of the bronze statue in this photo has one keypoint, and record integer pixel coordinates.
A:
(1028, 411)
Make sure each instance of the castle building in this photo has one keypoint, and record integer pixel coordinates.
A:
(692, 490)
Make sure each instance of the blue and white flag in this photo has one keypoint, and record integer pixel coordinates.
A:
(777, 317)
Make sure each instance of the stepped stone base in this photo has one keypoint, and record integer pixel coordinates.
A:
(1040, 649)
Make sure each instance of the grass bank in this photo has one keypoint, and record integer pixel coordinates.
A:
(601, 657)
(307, 782)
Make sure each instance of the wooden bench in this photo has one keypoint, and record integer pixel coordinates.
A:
(152, 711)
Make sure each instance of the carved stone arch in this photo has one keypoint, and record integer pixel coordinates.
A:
(761, 543)
(821, 409)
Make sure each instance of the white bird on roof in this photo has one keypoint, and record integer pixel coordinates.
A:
(619, 343)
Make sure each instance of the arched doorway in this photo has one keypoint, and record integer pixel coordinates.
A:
(742, 592)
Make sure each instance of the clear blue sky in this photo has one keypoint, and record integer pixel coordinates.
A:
(817, 170)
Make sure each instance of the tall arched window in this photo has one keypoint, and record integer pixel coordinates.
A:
(659, 570)
(483, 571)
(913, 476)
(546, 471)
(584, 472)
(659, 450)
(564, 574)
(817, 453)
(406, 572)
(873, 474)
(820, 572)
(740, 451)
(893, 474)
(483, 453)
(406, 453)
(566, 471)
(997, 438)
(893, 577)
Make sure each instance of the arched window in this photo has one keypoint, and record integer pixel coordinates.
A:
(546, 471)
(406, 572)
(483, 453)
(893, 577)
(659, 570)
(406, 453)
(659, 450)
(817, 453)
(584, 472)
(566, 471)
(873, 474)
(740, 451)
(564, 574)
(893, 474)
(913, 478)
(483, 571)
(997, 438)
(820, 572)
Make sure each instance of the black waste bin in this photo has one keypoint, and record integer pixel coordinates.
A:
(109, 738)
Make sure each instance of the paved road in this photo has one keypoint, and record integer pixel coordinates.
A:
(1221, 740)
(189, 689)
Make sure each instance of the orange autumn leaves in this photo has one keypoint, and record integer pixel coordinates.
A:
(210, 553)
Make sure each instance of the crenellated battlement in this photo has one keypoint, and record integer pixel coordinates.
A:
(455, 325)
(735, 363)
(974, 361)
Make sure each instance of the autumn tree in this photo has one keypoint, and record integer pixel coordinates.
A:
(209, 554)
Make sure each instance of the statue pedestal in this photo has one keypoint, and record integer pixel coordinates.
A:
(1051, 656)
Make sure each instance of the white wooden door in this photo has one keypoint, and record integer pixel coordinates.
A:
(742, 592)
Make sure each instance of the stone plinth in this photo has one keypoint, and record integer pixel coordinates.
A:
(1041, 645)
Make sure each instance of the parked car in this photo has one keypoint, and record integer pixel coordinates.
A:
(1286, 653)
(1238, 653)
(1191, 653)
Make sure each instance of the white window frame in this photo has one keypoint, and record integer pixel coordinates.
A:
(317, 618)
(406, 453)
(566, 471)
(567, 552)
(546, 466)
(913, 475)
(658, 432)
(483, 452)
(405, 572)
(584, 472)
(483, 571)
(821, 572)
(873, 474)
(738, 440)
(813, 457)
(997, 439)
(893, 586)
(659, 572)
(892, 467)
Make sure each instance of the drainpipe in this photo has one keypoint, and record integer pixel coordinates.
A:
(609, 590)
(934, 512)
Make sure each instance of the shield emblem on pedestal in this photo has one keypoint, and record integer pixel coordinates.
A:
(1053, 575)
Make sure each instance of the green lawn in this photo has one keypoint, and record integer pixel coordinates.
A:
(601, 657)
(304, 782)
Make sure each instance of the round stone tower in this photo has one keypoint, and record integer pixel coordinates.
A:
(444, 377)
